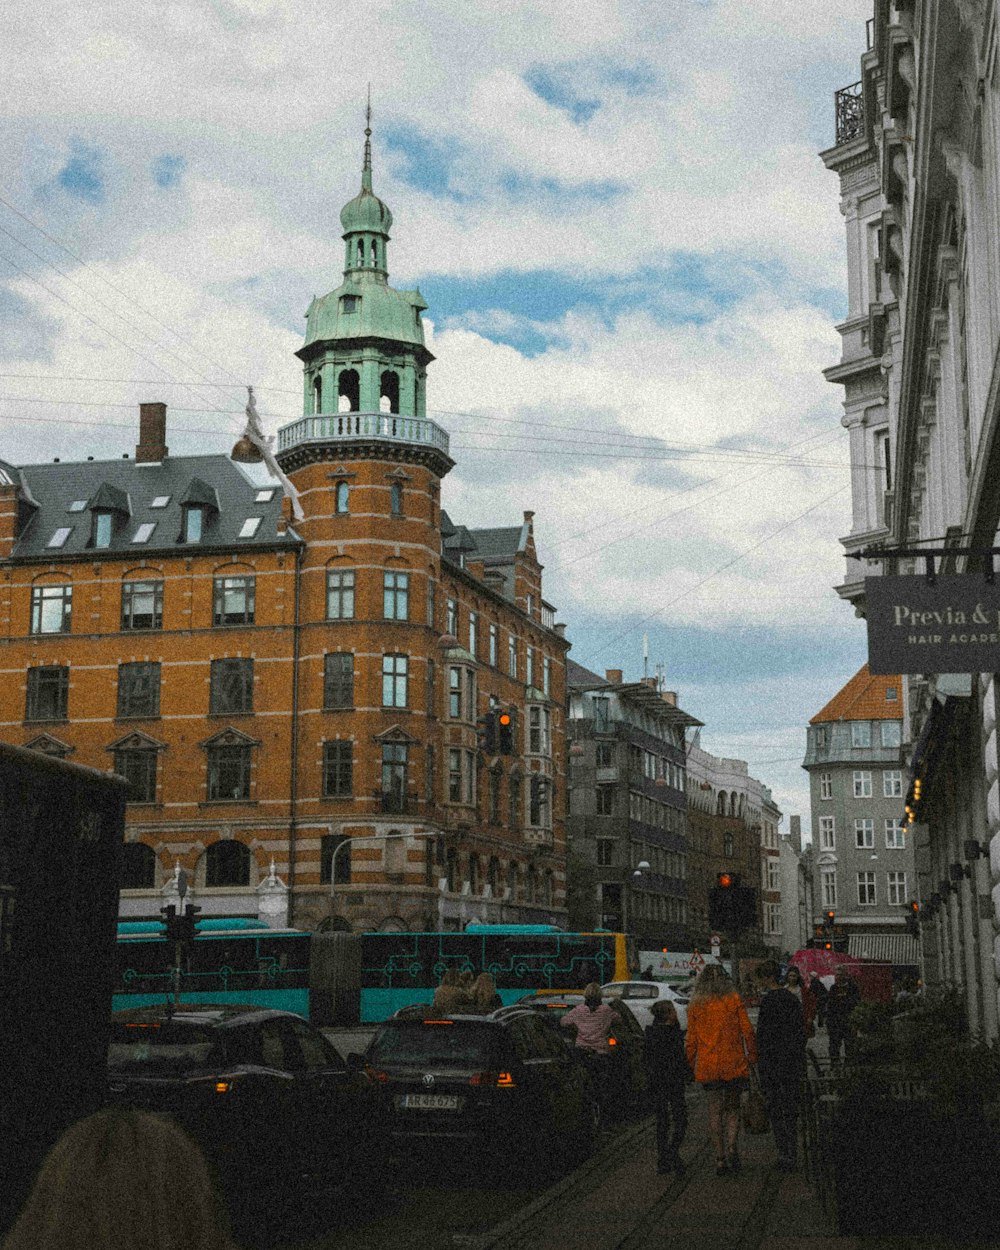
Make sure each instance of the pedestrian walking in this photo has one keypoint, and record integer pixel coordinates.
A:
(841, 1000)
(484, 994)
(450, 997)
(807, 1000)
(594, 1021)
(667, 1073)
(819, 993)
(122, 1180)
(720, 1047)
(781, 1050)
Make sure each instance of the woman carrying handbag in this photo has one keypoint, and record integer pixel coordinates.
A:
(720, 1048)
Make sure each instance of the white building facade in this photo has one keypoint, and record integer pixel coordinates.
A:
(917, 153)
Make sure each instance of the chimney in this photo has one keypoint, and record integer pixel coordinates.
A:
(649, 681)
(613, 675)
(669, 696)
(151, 447)
(795, 832)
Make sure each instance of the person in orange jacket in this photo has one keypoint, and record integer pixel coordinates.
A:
(720, 1047)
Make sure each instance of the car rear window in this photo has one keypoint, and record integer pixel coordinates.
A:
(161, 1047)
(434, 1043)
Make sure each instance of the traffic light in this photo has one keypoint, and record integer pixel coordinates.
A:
(169, 914)
(828, 918)
(505, 730)
(726, 880)
(180, 928)
(913, 919)
(486, 733)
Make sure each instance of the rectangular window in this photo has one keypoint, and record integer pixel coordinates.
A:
(102, 529)
(338, 680)
(861, 733)
(454, 775)
(605, 852)
(469, 777)
(605, 796)
(494, 643)
(772, 918)
(470, 694)
(431, 777)
(394, 766)
(228, 773)
(772, 874)
(474, 634)
(334, 864)
(250, 527)
(144, 533)
(827, 833)
(512, 656)
(826, 785)
(529, 666)
(602, 717)
(892, 783)
(895, 838)
(340, 594)
(193, 524)
(455, 693)
(892, 733)
(51, 609)
(604, 754)
(819, 736)
(451, 623)
(338, 769)
(396, 596)
(231, 687)
(59, 536)
(866, 889)
(431, 603)
(538, 730)
(48, 693)
(394, 675)
(138, 767)
(864, 834)
(139, 689)
(431, 699)
(862, 784)
(828, 886)
(235, 599)
(142, 605)
(546, 675)
(895, 888)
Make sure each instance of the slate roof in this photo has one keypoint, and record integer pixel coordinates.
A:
(582, 678)
(864, 698)
(498, 543)
(228, 488)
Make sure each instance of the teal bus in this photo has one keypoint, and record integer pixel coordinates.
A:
(399, 968)
(231, 960)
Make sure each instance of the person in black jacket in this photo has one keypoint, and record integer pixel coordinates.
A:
(667, 1072)
(781, 1060)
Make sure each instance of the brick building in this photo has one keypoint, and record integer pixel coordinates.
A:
(282, 664)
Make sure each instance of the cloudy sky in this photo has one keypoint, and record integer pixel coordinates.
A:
(615, 210)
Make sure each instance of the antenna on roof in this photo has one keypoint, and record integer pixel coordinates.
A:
(645, 656)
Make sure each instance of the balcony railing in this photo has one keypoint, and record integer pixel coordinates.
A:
(849, 110)
(390, 427)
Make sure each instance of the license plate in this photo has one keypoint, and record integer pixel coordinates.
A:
(429, 1102)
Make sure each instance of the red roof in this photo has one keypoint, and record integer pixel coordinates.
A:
(865, 698)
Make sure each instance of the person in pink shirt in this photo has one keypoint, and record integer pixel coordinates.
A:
(593, 1020)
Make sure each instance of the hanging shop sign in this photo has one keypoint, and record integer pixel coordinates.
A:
(950, 624)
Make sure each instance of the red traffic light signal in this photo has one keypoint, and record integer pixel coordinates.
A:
(726, 880)
(505, 727)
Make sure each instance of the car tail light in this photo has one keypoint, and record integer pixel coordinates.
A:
(494, 1080)
(376, 1075)
(612, 1041)
(223, 1087)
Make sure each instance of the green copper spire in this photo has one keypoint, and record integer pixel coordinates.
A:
(365, 216)
(366, 171)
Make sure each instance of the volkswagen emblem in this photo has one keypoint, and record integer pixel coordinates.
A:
(429, 1079)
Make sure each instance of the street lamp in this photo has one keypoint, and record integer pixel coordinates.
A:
(368, 837)
(638, 873)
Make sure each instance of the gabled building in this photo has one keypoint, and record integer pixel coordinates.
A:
(288, 655)
(864, 861)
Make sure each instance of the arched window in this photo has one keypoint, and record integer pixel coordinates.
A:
(317, 394)
(138, 867)
(396, 499)
(342, 497)
(349, 389)
(227, 864)
(361, 251)
(720, 806)
(389, 392)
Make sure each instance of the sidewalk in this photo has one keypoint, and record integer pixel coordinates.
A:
(619, 1202)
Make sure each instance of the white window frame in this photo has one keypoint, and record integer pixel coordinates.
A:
(892, 783)
(861, 733)
(862, 783)
(827, 833)
(864, 833)
(894, 827)
(867, 890)
(828, 887)
(895, 888)
(826, 785)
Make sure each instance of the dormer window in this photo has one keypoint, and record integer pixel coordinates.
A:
(349, 303)
(194, 523)
(101, 533)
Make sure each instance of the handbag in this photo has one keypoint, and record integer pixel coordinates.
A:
(754, 1110)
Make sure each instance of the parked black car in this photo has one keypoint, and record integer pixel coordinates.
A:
(504, 1083)
(625, 1093)
(264, 1093)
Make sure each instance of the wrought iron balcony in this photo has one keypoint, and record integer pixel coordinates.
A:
(390, 427)
(849, 109)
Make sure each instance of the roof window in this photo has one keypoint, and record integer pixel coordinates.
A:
(61, 534)
(890, 694)
(264, 496)
(160, 501)
(250, 527)
(144, 532)
(77, 505)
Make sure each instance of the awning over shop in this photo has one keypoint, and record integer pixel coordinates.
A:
(890, 948)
